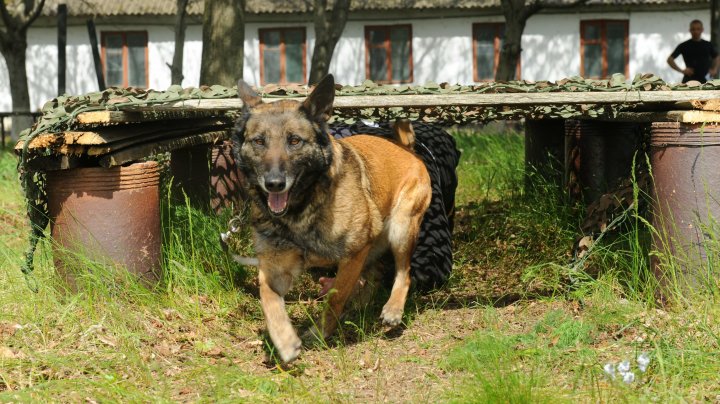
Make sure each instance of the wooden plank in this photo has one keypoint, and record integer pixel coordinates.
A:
(70, 150)
(109, 147)
(708, 105)
(55, 162)
(42, 141)
(219, 107)
(124, 132)
(145, 114)
(145, 150)
(474, 99)
(105, 135)
(668, 116)
(528, 99)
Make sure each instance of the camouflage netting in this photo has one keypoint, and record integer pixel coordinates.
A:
(60, 114)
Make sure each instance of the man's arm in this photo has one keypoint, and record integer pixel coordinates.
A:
(715, 61)
(688, 71)
(714, 68)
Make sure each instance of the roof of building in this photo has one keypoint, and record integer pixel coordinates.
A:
(107, 8)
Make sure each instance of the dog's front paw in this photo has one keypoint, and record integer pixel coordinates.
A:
(391, 316)
(290, 350)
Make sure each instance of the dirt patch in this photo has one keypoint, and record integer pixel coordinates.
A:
(10, 222)
(404, 367)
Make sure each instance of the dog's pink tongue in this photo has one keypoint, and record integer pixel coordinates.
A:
(277, 201)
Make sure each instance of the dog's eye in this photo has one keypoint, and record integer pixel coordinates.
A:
(294, 140)
(259, 141)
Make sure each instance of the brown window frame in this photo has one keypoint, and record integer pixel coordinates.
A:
(283, 78)
(602, 23)
(103, 37)
(388, 50)
(499, 27)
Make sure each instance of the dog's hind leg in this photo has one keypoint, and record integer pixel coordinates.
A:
(403, 228)
(275, 279)
(393, 310)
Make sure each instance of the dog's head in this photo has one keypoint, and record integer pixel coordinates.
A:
(283, 147)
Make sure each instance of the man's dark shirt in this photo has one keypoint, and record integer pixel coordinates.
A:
(697, 55)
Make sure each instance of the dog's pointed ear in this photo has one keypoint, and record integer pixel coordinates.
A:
(320, 102)
(248, 96)
(250, 99)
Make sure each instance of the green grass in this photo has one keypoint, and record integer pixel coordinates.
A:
(489, 169)
(559, 353)
(515, 237)
(515, 324)
(490, 358)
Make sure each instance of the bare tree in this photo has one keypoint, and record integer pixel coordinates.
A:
(17, 16)
(329, 26)
(715, 23)
(223, 37)
(176, 67)
(516, 13)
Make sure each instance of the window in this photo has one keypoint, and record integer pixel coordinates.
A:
(125, 58)
(487, 41)
(388, 54)
(282, 56)
(603, 48)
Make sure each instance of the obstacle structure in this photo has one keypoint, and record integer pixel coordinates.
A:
(592, 126)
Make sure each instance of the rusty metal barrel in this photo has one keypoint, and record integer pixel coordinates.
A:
(106, 215)
(226, 180)
(598, 155)
(685, 162)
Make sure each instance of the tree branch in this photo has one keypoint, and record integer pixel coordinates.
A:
(180, 26)
(33, 15)
(6, 17)
(559, 6)
(318, 11)
(531, 9)
(537, 5)
(339, 13)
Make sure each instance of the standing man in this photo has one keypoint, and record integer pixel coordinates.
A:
(699, 55)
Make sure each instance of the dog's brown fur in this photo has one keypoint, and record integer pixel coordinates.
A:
(347, 202)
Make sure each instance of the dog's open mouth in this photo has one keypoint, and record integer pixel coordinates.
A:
(278, 202)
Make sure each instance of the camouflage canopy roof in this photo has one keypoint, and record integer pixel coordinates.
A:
(108, 8)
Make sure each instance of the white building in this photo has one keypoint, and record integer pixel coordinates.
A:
(398, 41)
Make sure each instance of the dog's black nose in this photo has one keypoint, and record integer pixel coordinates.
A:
(275, 183)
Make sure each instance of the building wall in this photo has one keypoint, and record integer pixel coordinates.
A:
(442, 51)
(42, 59)
(653, 37)
(251, 63)
(551, 43)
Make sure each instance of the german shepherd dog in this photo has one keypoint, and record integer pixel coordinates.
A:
(321, 202)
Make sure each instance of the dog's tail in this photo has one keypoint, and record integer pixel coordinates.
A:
(404, 133)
